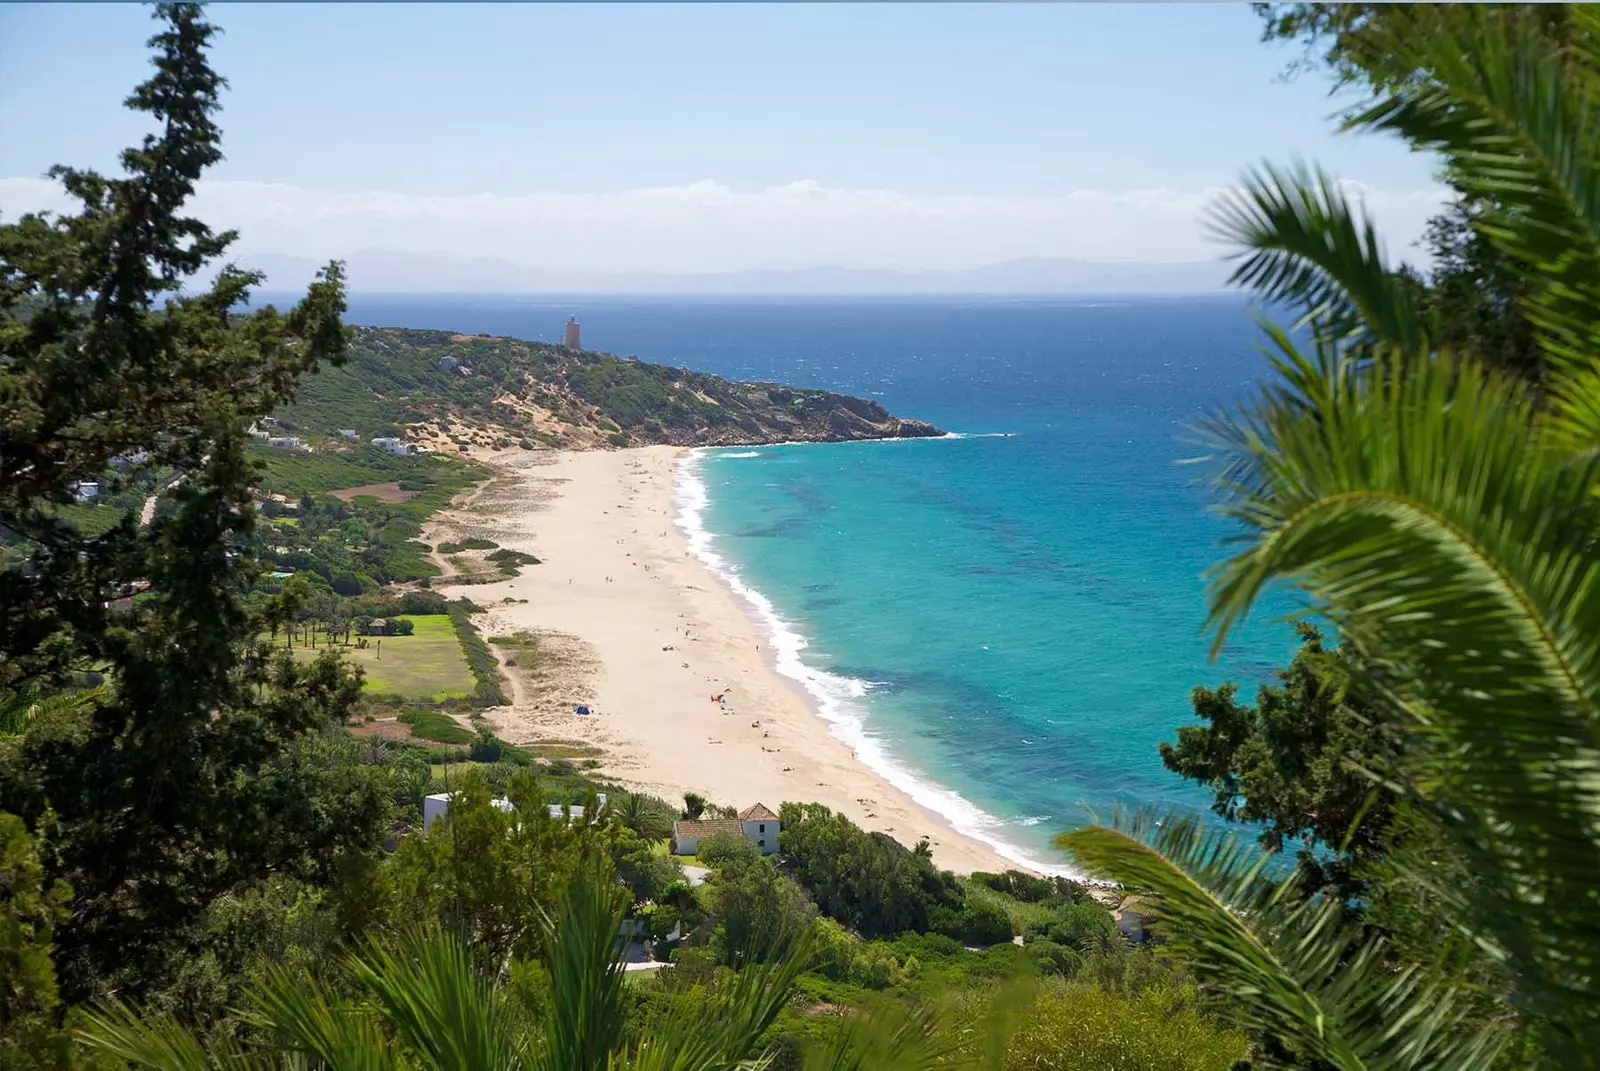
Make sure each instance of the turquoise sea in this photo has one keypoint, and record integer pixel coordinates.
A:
(1006, 621)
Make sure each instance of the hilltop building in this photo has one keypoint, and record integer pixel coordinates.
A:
(571, 340)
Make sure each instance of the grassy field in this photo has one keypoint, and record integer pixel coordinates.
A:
(428, 664)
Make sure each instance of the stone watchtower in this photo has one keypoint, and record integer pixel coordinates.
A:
(571, 339)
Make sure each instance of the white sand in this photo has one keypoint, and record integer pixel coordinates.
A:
(599, 515)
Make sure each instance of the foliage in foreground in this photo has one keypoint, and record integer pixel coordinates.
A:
(178, 781)
(1442, 517)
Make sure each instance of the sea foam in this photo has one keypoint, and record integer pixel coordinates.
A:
(839, 700)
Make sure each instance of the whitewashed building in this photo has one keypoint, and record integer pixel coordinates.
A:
(755, 823)
(437, 806)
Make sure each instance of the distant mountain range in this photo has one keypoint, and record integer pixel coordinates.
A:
(380, 271)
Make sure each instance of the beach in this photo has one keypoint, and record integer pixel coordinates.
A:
(621, 617)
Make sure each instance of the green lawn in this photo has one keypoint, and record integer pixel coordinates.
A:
(428, 664)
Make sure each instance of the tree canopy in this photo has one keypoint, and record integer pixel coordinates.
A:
(180, 778)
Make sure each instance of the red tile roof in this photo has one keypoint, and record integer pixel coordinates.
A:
(757, 813)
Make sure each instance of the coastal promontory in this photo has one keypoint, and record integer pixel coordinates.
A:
(481, 390)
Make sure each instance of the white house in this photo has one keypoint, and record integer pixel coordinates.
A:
(437, 806)
(761, 826)
(285, 442)
(397, 447)
(349, 433)
(86, 491)
(755, 823)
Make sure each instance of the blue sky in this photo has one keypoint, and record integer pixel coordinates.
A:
(894, 135)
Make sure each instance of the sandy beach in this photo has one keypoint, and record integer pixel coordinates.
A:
(630, 623)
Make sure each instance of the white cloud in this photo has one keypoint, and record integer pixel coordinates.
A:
(708, 227)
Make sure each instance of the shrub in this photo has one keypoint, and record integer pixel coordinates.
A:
(487, 747)
(346, 583)
(1053, 958)
(1085, 927)
(721, 849)
(981, 923)
(1075, 1027)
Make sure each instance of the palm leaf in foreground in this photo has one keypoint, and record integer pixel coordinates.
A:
(1517, 123)
(1288, 966)
(157, 1043)
(1302, 243)
(1418, 505)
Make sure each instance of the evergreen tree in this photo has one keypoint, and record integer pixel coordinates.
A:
(176, 782)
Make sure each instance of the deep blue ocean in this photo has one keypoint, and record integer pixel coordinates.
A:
(1007, 621)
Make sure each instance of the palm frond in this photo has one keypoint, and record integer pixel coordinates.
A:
(1302, 243)
(157, 1042)
(1416, 504)
(733, 1020)
(890, 1034)
(1288, 965)
(438, 1003)
(310, 1021)
(1517, 123)
(584, 957)
(886, 1035)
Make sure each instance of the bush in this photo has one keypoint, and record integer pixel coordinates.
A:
(1075, 1027)
(722, 849)
(1053, 958)
(487, 747)
(981, 923)
(869, 881)
(1085, 927)
(346, 583)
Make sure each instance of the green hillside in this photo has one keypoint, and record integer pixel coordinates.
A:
(485, 390)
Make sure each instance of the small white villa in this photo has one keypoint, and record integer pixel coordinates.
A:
(437, 806)
(397, 447)
(755, 823)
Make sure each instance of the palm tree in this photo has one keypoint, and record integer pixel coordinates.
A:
(644, 815)
(426, 1004)
(1445, 520)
